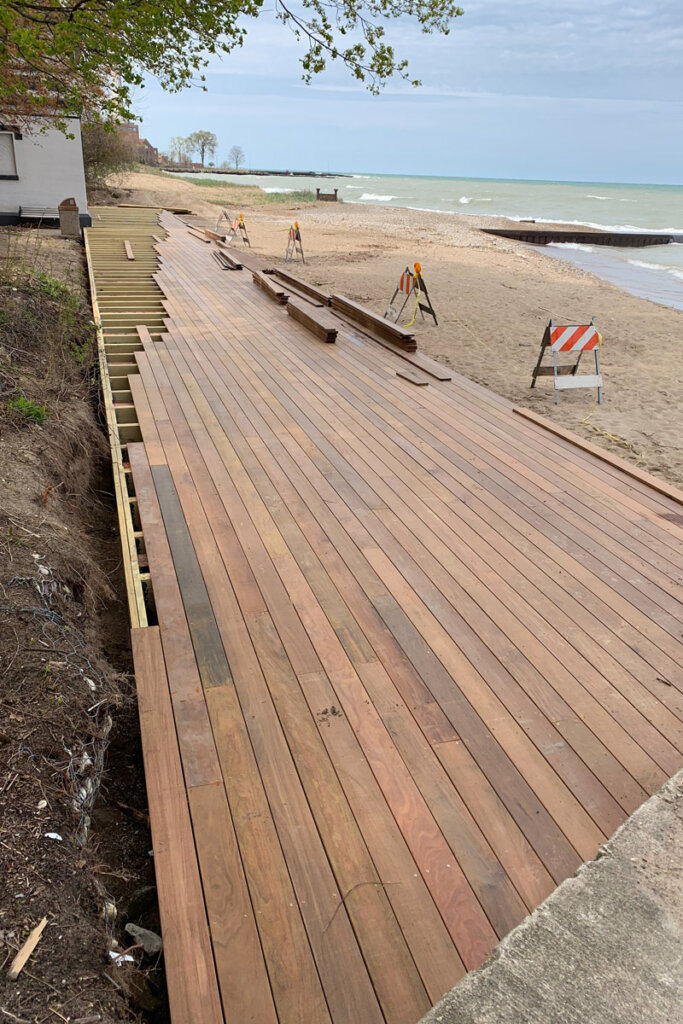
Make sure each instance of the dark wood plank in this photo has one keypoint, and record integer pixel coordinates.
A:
(190, 971)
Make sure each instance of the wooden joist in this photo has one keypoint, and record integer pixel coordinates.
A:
(270, 288)
(374, 323)
(318, 321)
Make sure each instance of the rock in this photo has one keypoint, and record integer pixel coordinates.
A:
(150, 941)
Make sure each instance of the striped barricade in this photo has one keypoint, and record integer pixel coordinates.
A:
(234, 227)
(575, 339)
(411, 283)
(295, 249)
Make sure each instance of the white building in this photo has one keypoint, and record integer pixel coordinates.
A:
(39, 170)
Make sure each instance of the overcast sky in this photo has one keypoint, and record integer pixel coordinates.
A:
(585, 90)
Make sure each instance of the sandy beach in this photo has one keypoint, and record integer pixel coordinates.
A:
(493, 298)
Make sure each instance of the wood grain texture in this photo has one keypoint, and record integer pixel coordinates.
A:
(191, 980)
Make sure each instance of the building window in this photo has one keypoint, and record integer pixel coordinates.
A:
(8, 166)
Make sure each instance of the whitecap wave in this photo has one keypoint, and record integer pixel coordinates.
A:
(370, 197)
(604, 198)
(673, 271)
(430, 209)
(572, 245)
(601, 227)
(646, 265)
(278, 190)
(465, 199)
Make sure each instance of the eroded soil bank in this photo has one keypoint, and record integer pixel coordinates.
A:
(74, 840)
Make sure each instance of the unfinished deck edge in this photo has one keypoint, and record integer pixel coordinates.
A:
(661, 486)
(137, 609)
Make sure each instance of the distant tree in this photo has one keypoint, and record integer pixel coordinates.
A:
(237, 157)
(202, 143)
(179, 149)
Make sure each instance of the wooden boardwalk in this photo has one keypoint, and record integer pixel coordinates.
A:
(416, 656)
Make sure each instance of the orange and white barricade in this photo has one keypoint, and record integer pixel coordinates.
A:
(575, 339)
(234, 227)
(411, 283)
(295, 249)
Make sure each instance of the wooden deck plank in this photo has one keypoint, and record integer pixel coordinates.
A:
(191, 977)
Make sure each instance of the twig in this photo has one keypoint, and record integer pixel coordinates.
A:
(13, 1016)
(22, 957)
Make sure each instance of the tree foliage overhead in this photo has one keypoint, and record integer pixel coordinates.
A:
(96, 52)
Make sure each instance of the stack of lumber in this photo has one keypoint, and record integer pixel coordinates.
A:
(309, 292)
(270, 288)
(319, 321)
(374, 323)
(225, 261)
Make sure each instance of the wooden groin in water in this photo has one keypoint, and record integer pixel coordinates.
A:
(543, 236)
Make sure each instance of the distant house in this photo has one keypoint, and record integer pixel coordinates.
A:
(38, 170)
(143, 150)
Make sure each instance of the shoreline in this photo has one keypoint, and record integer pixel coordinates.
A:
(493, 298)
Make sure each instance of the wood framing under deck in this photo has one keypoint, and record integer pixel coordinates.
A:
(412, 657)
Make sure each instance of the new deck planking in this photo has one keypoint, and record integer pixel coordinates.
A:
(423, 655)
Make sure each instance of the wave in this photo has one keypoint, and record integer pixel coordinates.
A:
(674, 271)
(646, 265)
(598, 197)
(572, 245)
(278, 190)
(430, 209)
(465, 199)
(370, 197)
(599, 227)
(356, 188)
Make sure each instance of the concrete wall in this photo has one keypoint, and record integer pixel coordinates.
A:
(605, 948)
(49, 169)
